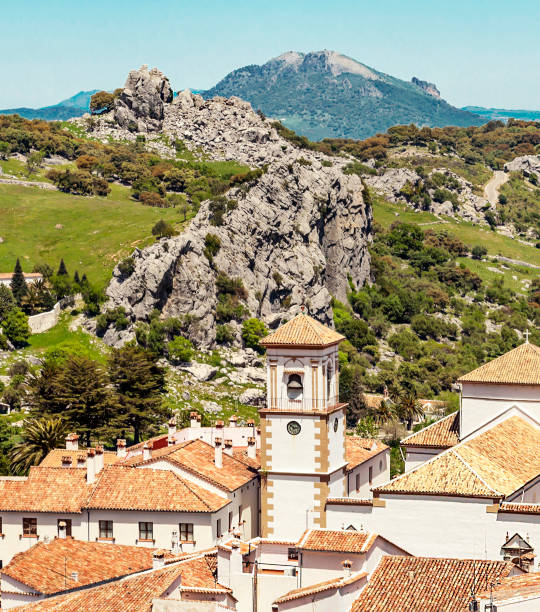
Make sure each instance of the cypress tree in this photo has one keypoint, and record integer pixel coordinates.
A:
(84, 280)
(76, 278)
(62, 270)
(18, 284)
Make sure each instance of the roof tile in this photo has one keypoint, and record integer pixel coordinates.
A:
(303, 330)
(441, 434)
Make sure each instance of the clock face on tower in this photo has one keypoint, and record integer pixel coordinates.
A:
(293, 427)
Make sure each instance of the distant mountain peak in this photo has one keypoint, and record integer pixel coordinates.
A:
(429, 88)
(325, 61)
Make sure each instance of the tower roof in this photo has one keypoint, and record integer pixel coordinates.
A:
(303, 330)
(520, 366)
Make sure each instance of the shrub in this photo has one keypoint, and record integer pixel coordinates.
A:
(224, 334)
(101, 102)
(180, 350)
(15, 327)
(253, 330)
(218, 207)
(212, 244)
(126, 267)
(150, 198)
(478, 252)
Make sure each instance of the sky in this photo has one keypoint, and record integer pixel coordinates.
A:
(477, 52)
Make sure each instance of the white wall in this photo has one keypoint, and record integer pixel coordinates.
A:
(293, 501)
(326, 601)
(416, 456)
(14, 593)
(380, 465)
(529, 605)
(481, 402)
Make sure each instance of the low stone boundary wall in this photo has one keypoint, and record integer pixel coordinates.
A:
(45, 320)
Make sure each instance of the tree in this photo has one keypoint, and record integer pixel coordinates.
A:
(76, 279)
(408, 408)
(62, 270)
(163, 229)
(18, 283)
(34, 161)
(355, 397)
(384, 412)
(253, 330)
(478, 252)
(101, 102)
(40, 436)
(367, 428)
(180, 349)
(15, 326)
(7, 301)
(82, 390)
(138, 384)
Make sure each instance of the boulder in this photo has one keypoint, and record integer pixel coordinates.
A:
(528, 164)
(252, 396)
(200, 371)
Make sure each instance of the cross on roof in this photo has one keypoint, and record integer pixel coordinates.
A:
(527, 336)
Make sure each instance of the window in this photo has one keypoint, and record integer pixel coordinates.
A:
(292, 554)
(105, 530)
(218, 528)
(358, 482)
(240, 510)
(380, 466)
(67, 524)
(146, 531)
(186, 532)
(294, 387)
(230, 521)
(370, 474)
(1, 532)
(29, 527)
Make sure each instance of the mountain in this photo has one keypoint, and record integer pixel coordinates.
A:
(324, 94)
(75, 106)
(504, 114)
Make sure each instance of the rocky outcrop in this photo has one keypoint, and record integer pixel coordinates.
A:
(140, 106)
(429, 88)
(293, 236)
(528, 164)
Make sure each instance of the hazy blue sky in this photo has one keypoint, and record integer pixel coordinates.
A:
(476, 51)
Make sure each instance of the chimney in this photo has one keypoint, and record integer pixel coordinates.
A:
(66, 461)
(172, 427)
(219, 424)
(158, 559)
(99, 459)
(251, 449)
(346, 568)
(72, 441)
(121, 450)
(90, 466)
(75, 576)
(236, 558)
(258, 437)
(62, 530)
(147, 451)
(229, 448)
(194, 419)
(232, 421)
(81, 460)
(218, 454)
(170, 441)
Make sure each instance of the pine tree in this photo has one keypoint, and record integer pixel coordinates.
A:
(84, 280)
(62, 270)
(76, 278)
(357, 405)
(18, 284)
(139, 384)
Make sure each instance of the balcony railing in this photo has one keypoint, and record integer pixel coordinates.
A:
(301, 405)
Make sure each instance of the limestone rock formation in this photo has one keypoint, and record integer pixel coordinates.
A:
(528, 164)
(294, 237)
(143, 99)
(429, 88)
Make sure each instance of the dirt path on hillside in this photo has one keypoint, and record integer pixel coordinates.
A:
(491, 190)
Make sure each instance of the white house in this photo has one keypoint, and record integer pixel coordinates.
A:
(30, 277)
(469, 498)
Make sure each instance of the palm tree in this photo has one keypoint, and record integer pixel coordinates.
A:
(39, 438)
(383, 413)
(408, 408)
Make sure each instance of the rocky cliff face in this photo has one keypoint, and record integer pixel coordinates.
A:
(428, 87)
(295, 236)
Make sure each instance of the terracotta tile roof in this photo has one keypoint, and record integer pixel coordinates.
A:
(45, 566)
(339, 540)
(358, 450)
(514, 587)
(54, 458)
(349, 501)
(494, 464)
(303, 330)
(240, 454)
(320, 587)
(135, 593)
(441, 434)
(46, 490)
(197, 457)
(520, 366)
(423, 584)
(520, 508)
(129, 488)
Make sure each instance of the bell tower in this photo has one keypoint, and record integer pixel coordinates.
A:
(302, 428)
